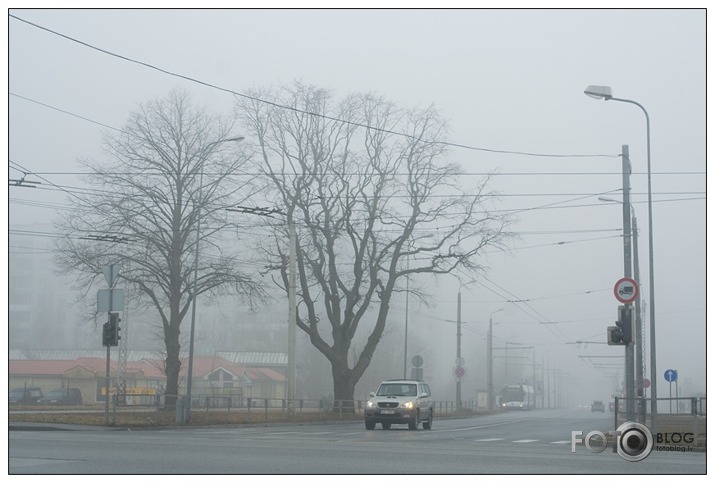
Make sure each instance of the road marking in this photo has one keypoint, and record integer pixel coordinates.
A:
(489, 439)
(565, 441)
(525, 441)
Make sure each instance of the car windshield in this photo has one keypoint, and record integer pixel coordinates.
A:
(56, 393)
(397, 390)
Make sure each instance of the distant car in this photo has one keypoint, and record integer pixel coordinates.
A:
(67, 396)
(400, 402)
(25, 395)
(598, 406)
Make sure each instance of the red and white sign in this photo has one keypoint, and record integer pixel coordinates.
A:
(626, 290)
(459, 371)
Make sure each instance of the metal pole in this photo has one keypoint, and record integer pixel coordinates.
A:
(109, 318)
(459, 347)
(639, 322)
(627, 272)
(490, 367)
(407, 309)
(291, 315)
(187, 406)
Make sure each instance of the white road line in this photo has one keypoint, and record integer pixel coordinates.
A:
(565, 441)
(525, 441)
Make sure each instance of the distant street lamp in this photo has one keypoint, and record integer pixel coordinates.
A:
(490, 364)
(187, 407)
(605, 93)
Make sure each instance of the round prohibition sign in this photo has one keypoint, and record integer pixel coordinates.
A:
(626, 290)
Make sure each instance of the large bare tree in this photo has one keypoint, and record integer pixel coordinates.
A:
(164, 188)
(372, 205)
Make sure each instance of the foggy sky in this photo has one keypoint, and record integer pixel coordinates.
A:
(511, 84)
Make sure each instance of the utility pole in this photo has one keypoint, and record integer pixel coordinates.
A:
(291, 314)
(627, 272)
(459, 349)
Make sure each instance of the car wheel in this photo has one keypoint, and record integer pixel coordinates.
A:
(386, 425)
(415, 421)
(369, 424)
(428, 424)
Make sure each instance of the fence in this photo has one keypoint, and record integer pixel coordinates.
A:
(323, 408)
(674, 415)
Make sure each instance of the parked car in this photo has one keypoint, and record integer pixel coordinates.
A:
(400, 402)
(25, 395)
(598, 406)
(66, 396)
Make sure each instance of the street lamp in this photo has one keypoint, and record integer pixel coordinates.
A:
(490, 364)
(187, 407)
(605, 93)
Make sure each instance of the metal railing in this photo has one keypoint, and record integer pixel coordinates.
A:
(679, 415)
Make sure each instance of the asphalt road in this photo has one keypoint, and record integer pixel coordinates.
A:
(537, 442)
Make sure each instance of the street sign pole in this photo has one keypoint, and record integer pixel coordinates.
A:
(110, 274)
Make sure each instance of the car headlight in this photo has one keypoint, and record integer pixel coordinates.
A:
(370, 404)
(408, 405)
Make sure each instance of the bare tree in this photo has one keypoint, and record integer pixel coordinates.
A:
(165, 188)
(365, 201)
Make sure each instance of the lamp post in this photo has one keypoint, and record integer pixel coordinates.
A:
(187, 406)
(605, 93)
(490, 364)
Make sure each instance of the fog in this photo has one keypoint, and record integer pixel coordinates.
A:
(511, 84)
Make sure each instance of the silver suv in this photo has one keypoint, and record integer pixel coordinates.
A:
(400, 402)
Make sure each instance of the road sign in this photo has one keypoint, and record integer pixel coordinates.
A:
(671, 375)
(417, 361)
(626, 290)
(110, 273)
(459, 361)
(459, 371)
(646, 383)
(117, 300)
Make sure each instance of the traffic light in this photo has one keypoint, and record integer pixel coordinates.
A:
(110, 331)
(622, 332)
(106, 335)
(625, 323)
(615, 336)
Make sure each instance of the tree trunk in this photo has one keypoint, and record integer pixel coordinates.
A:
(343, 388)
(173, 367)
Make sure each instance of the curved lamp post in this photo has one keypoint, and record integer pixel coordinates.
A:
(605, 93)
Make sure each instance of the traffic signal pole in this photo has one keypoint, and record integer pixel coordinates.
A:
(109, 322)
